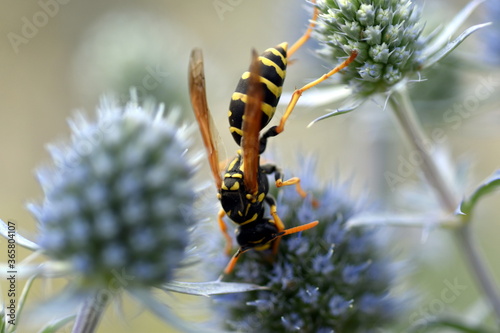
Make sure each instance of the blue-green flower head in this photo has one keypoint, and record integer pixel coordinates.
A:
(119, 197)
(327, 279)
(386, 35)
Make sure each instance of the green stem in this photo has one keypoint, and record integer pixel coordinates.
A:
(478, 265)
(406, 116)
(91, 312)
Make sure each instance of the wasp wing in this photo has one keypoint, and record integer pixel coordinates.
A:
(198, 96)
(252, 125)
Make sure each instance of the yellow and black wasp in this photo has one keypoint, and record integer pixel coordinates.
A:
(243, 189)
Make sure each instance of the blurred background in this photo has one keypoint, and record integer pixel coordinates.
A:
(58, 57)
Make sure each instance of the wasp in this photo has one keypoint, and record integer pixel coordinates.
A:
(244, 186)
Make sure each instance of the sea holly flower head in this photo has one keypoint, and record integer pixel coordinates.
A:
(387, 35)
(328, 278)
(117, 198)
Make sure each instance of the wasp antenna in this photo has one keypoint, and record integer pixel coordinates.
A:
(300, 228)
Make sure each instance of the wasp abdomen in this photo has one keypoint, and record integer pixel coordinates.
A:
(272, 74)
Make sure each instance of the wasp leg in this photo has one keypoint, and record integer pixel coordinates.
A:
(275, 130)
(278, 175)
(230, 266)
(272, 209)
(307, 34)
(277, 221)
(292, 181)
(263, 139)
(223, 228)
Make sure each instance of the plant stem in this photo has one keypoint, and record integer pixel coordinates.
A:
(406, 116)
(90, 313)
(479, 267)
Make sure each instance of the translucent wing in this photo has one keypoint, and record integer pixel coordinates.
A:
(251, 126)
(202, 113)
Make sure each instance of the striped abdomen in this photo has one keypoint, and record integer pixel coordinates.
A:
(272, 74)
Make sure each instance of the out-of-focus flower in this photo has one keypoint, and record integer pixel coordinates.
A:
(117, 197)
(117, 215)
(119, 210)
(115, 55)
(491, 36)
(387, 34)
(327, 279)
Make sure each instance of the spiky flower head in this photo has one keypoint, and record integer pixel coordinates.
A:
(328, 279)
(118, 198)
(385, 34)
